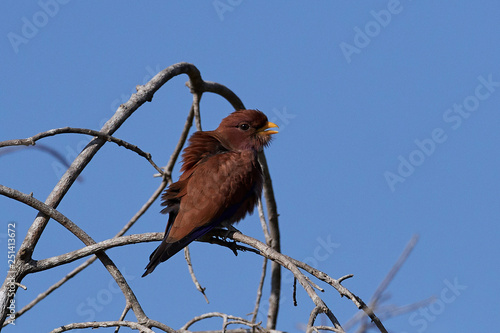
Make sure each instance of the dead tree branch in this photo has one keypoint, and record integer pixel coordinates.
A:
(25, 264)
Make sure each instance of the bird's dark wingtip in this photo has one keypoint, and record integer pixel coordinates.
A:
(150, 267)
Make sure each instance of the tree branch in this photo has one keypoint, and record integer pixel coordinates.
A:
(144, 94)
(259, 291)
(187, 256)
(22, 267)
(31, 141)
(99, 324)
(91, 260)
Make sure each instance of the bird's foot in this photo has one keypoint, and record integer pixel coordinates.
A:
(230, 228)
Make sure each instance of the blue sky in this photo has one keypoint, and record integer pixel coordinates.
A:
(389, 122)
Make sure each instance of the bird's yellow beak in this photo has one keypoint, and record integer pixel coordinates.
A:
(263, 129)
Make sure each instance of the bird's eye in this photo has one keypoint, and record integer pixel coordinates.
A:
(244, 126)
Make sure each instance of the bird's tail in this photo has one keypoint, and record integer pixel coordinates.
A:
(167, 250)
(163, 252)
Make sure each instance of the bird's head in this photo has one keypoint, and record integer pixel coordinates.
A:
(245, 129)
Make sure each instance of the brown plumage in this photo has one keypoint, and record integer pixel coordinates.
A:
(221, 181)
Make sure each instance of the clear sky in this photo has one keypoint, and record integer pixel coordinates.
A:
(389, 118)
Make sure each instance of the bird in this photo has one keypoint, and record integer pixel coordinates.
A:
(220, 184)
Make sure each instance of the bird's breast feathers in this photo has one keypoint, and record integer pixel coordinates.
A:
(226, 176)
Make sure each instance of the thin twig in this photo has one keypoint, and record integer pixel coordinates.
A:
(345, 277)
(314, 285)
(294, 294)
(187, 256)
(259, 291)
(31, 141)
(312, 318)
(122, 316)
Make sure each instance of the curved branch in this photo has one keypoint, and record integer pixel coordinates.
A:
(25, 264)
(144, 94)
(265, 250)
(44, 264)
(219, 89)
(226, 322)
(255, 311)
(187, 256)
(285, 261)
(91, 260)
(31, 141)
(22, 267)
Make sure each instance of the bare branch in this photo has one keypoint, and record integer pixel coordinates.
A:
(187, 256)
(122, 316)
(144, 93)
(325, 328)
(89, 261)
(259, 291)
(196, 109)
(263, 222)
(22, 268)
(294, 293)
(345, 277)
(31, 141)
(286, 262)
(99, 324)
(44, 264)
(312, 318)
(24, 264)
(343, 291)
(227, 320)
(274, 232)
(218, 89)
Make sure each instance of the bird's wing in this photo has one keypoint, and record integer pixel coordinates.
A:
(214, 191)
